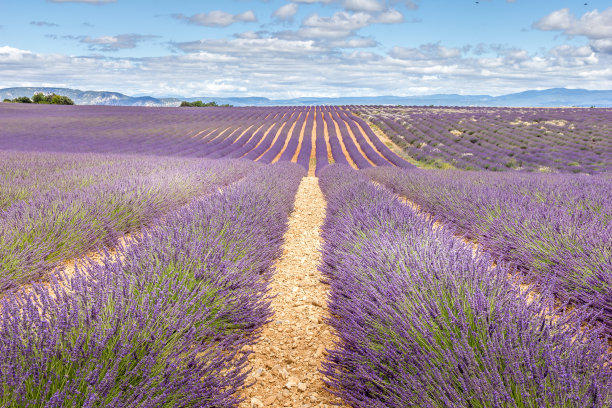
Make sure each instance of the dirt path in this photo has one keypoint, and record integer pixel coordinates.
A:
(288, 355)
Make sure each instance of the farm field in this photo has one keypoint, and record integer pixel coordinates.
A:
(536, 139)
(358, 256)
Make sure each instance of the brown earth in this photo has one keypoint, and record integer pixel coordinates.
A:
(287, 358)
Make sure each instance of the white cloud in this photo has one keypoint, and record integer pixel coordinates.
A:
(250, 46)
(363, 5)
(280, 67)
(391, 16)
(339, 25)
(13, 54)
(115, 42)
(354, 43)
(426, 52)
(218, 18)
(593, 24)
(603, 45)
(286, 12)
(251, 35)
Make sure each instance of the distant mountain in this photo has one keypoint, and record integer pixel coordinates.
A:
(544, 98)
(87, 97)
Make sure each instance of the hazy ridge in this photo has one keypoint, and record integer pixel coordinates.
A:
(536, 98)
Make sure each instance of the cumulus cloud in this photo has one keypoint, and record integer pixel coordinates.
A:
(218, 18)
(354, 43)
(43, 24)
(340, 25)
(391, 16)
(286, 12)
(426, 52)
(603, 45)
(250, 46)
(593, 24)
(13, 54)
(113, 43)
(363, 5)
(260, 63)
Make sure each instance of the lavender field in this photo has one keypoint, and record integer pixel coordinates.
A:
(574, 140)
(465, 254)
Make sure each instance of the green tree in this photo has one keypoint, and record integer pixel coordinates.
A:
(64, 100)
(39, 97)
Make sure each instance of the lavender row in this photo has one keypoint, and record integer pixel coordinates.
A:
(360, 161)
(380, 146)
(320, 143)
(368, 150)
(152, 131)
(561, 139)
(334, 141)
(294, 139)
(253, 133)
(281, 140)
(266, 142)
(303, 157)
(558, 228)
(26, 175)
(421, 322)
(167, 324)
(37, 234)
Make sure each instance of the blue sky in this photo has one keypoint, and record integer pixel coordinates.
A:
(280, 48)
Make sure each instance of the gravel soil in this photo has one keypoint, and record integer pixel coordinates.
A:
(287, 358)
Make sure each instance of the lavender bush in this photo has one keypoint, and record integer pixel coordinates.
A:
(164, 326)
(532, 139)
(557, 228)
(423, 323)
(52, 226)
(249, 133)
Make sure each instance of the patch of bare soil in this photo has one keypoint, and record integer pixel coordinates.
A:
(287, 358)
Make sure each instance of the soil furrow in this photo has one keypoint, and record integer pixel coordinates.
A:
(287, 358)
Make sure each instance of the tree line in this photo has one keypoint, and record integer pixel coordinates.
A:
(200, 104)
(41, 98)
